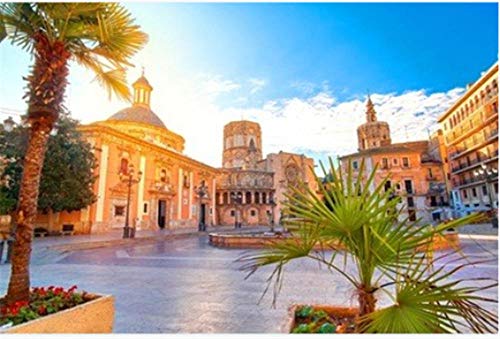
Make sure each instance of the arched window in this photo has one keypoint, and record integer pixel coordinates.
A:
(124, 166)
(163, 175)
(264, 197)
(248, 197)
(257, 197)
(225, 198)
(217, 198)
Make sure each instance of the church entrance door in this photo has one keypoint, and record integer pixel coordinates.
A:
(162, 213)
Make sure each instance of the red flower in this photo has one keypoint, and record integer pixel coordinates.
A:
(14, 311)
(42, 310)
(51, 288)
(72, 288)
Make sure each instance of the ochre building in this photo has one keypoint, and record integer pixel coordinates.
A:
(415, 168)
(470, 128)
(168, 194)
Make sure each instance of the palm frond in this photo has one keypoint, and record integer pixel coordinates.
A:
(435, 302)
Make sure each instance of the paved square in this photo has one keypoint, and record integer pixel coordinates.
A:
(185, 285)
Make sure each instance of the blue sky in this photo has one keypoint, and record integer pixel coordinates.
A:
(286, 65)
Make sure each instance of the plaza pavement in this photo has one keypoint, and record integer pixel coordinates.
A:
(182, 284)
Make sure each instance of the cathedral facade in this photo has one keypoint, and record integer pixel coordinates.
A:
(251, 189)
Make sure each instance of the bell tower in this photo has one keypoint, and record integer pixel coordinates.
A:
(242, 145)
(373, 133)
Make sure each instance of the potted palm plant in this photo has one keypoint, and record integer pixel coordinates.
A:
(103, 38)
(386, 250)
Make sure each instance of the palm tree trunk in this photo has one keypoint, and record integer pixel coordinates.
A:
(46, 85)
(367, 303)
(19, 283)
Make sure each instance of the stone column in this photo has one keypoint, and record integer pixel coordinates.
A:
(101, 186)
(190, 203)
(140, 188)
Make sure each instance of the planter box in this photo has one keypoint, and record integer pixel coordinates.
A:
(95, 316)
(289, 325)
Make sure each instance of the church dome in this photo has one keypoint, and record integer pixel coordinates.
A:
(140, 111)
(140, 114)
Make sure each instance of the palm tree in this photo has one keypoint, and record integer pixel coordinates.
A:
(386, 250)
(100, 36)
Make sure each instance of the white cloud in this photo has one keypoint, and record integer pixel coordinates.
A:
(214, 85)
(318, 125)
(256, 84)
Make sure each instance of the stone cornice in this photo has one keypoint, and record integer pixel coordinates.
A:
(97, 130)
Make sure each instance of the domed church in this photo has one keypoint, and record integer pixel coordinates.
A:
(173, 191)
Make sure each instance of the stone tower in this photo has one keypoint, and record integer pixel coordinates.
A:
(242, 145)
(373, 133)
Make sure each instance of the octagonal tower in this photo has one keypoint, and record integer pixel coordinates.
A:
(373, 133)
(242, 145)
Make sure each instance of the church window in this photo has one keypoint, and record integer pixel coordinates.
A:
(248, 197)
(385, 163)
(251, 142)
(124, 166)
(395, 161)
(387, 185)
(186, 181)
(232, 213)
(145, 208)
(119, 211)
(257, 198)
(355, 164)
(253, 213)
(406, 162)
(163, 175)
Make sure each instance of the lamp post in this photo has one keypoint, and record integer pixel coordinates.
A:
(237, 198)
(201, 191)
(488, 174)
(129, 179)
(273, 205)
(8, 124)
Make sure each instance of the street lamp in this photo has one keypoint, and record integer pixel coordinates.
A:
(237, 199)
(8, 124)
(129, 179)
(488, 174)
(202, 193)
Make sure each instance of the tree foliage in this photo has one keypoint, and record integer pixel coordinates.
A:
(67, 173)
